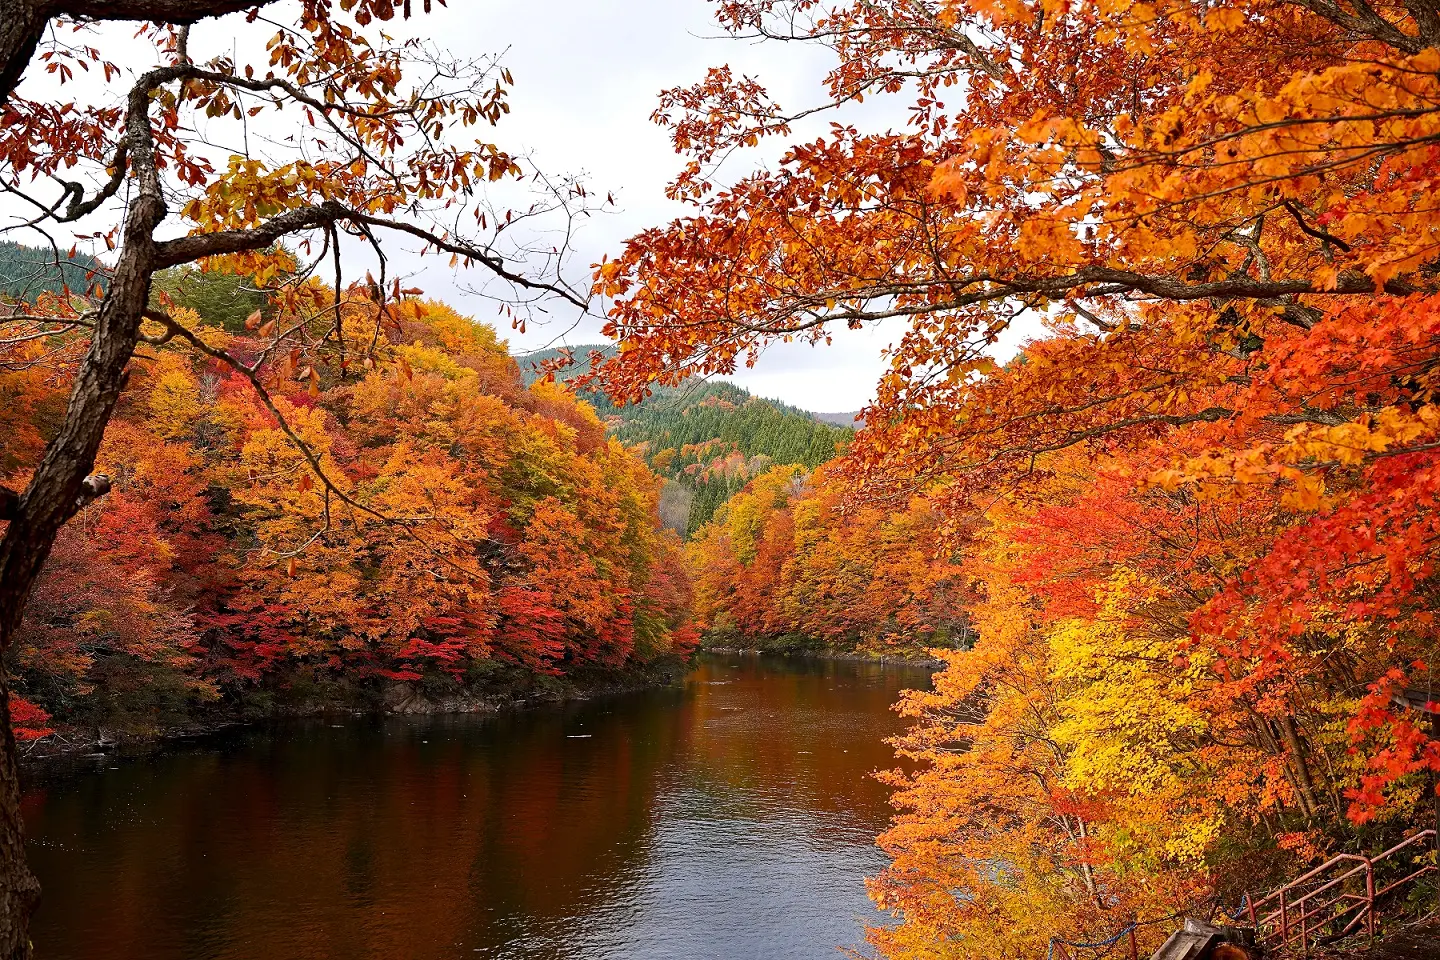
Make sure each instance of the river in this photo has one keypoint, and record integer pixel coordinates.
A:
(732, 818)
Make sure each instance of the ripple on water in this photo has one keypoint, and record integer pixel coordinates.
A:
(733, 819)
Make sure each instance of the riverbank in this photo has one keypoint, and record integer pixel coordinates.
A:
(908, 659)
(132, 734)
(634, 827)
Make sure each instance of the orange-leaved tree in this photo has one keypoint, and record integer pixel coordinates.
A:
(783, 559)
(1216, 460)
(331, 131)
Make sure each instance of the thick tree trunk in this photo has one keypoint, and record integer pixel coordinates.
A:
(59, 488)
(22, 24)
(19, 890)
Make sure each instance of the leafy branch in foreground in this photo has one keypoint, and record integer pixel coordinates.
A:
(1198, 506)
(327, 136)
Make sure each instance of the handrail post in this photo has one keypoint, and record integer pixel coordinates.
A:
(1370, 898)
(1134, 949)
(1262, 912)
(1304, 929)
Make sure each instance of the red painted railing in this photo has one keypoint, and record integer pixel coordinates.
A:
(1331, 901)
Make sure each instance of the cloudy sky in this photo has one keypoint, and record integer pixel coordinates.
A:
(587, 75)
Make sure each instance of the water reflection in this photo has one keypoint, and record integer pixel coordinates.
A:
(733, 818)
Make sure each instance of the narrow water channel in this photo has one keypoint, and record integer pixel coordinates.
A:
(733, 818)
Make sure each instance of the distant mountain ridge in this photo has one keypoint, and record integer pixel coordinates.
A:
(851, 418)
(530, 364)
(27, 272)
(707, 438)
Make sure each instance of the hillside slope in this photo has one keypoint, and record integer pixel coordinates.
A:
(223, 574)
(27, 272)
(708, 439)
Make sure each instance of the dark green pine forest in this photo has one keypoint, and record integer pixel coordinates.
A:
(27, 272)
(708, 439)
(224, 298)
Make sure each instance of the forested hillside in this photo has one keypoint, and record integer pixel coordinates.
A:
(26, 272)
(569, 363)
(785, 566)
(464, 533)
(710, 438)
(224, 299)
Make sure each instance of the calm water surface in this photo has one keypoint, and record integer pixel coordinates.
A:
(732, 819)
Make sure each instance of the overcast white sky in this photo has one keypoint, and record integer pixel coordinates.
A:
(587, 75)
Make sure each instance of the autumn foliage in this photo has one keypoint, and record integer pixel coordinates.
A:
(259, 147)
(502, 533)
(1198, 508)
(783, 563)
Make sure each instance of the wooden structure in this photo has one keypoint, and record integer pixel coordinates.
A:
(1201, 941)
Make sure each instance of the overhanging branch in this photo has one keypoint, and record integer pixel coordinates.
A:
(196, 246)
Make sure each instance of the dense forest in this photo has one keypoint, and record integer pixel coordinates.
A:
(784, 566)
(710, 439)
(219, 576)
(27, 272)
(777, 562)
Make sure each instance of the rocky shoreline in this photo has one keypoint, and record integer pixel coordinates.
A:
(928, 663)
(397, 699)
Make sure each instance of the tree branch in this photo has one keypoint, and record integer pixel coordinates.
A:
(1322, 235)
(171, 253)
(159, 11)
(80, 207)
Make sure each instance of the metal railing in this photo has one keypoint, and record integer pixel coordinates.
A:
(1330, 902)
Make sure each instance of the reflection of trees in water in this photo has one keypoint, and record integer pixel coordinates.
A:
(385, 844)
(803, 732)
(432, 837)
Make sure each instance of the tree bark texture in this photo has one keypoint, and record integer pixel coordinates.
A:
(58, 489)
(22, 24)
